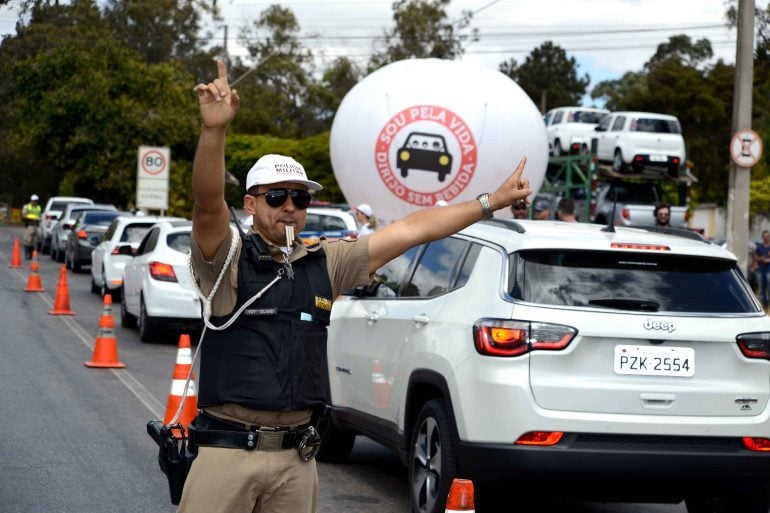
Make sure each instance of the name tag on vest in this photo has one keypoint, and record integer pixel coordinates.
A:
(255, 312)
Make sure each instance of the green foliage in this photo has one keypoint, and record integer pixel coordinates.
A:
(242, 152)
(547, 71)
(422, 30)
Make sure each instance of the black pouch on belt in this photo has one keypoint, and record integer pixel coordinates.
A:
(175, 455)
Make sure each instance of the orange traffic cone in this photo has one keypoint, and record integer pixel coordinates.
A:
(16, 255)
(460, 496)
(61, 305)
(106, 345)
(181, 369)
(33, 282)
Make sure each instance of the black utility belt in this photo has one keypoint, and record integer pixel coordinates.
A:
(210, 431)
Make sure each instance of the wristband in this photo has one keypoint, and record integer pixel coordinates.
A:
(485, 208)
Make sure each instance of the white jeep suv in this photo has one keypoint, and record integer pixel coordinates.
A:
(570, 129)
(641, 141)
(559, 358)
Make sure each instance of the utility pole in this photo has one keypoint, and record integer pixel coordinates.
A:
(224, 47)
(740, 177)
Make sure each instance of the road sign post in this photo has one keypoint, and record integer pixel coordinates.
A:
(152, 175)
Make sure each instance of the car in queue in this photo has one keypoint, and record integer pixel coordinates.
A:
(116, 249)
(157, 292)
(572, 360)
(50, 217)
(61, 231)
(327, 222)
(87, 231)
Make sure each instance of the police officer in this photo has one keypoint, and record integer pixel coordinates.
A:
(263, 378)
(30, 214)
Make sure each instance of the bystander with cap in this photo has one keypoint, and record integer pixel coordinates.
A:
(566, 211)
(367, 223)
(520, 210)
(542, 209)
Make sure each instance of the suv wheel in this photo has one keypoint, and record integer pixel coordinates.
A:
(432, 465)
(126, 319)
(335, 444)
(751, 499)
(617, 161)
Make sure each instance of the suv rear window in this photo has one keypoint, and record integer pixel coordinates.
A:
(179, 241)
(586, 116)
(629, 281)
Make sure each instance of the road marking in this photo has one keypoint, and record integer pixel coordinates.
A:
(156, 408)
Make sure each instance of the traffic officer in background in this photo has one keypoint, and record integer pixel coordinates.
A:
(30, 214)
(263, 377)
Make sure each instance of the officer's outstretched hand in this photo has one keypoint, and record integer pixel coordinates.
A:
(514, 189)
(218, 103)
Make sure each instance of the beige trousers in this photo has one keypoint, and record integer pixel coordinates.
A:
(241, 481)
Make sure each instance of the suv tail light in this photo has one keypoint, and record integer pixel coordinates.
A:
(540, 438)
(505, 337)
(82, 234)
(756, 444)
(626, 214)
(754, 345)
(162, 272)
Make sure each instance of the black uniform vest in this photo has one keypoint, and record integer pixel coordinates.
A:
(274, 356)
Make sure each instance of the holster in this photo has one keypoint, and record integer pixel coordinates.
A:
(175, 454)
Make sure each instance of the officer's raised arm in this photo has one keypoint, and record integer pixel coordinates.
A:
(218, 106)
(435, 223)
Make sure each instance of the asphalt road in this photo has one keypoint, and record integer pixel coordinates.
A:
(74, 438)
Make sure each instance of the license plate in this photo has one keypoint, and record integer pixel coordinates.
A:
(654, 361)
(658, 158)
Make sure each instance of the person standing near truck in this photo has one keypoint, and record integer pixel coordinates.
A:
(662, 214)
(761, 265)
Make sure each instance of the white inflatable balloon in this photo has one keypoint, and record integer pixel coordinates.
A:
(419, 131)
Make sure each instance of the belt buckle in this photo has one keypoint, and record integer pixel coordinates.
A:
(270, 440)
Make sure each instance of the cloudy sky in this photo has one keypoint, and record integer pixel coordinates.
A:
(606, 37)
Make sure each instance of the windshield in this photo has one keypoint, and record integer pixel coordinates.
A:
(99, 218)
(629, 281)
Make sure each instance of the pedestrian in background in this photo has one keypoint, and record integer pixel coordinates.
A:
(566, 211)
(367, 223)
(662, 214)
(263, 379)
(542, 210)
(520, 210)
(30, 214)
(761, 265)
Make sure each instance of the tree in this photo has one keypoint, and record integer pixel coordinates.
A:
(160, 30)
(548, 74)
(279, 85)
(324, 97)
(422, 30)
(78, 110)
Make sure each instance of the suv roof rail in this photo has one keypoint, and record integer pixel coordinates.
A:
(507, 223)
(670, 230)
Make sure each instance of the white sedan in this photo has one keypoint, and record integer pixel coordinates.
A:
(116, 249)
(157, 293)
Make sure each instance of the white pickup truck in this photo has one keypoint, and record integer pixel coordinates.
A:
(635, 204)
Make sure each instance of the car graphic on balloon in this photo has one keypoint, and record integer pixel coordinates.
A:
(426, 152)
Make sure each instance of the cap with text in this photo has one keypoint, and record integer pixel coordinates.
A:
(270, 169)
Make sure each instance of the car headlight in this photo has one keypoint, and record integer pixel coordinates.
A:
(443, 160)
(404, 155)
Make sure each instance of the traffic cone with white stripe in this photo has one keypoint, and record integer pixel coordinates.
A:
(33, 282)
(106, 345)
(181, 370)
(460, 496)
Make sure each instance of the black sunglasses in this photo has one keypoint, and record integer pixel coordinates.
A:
(277, 197)
(520, 206)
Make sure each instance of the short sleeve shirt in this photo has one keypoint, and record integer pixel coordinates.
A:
(762, 252)
(347, 262)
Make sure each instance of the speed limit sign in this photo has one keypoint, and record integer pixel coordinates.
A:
(152, 173)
